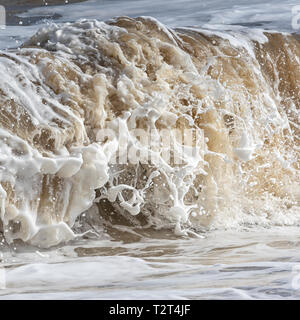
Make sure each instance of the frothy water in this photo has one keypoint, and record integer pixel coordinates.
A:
(254, 264)
(142, 144)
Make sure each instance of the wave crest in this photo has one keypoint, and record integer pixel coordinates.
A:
(78, 98)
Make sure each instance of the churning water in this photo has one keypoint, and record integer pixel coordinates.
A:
(150, 151)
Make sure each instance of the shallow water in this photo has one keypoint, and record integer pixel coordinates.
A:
(23, 19)
(254, 264)
(260, 261)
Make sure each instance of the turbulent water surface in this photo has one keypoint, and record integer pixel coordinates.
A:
(150, 153)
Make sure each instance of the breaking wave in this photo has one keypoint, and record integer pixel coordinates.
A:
(180, 129)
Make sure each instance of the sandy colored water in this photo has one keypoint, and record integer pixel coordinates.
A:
(249, 256)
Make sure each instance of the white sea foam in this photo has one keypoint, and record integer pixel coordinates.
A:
(72, 83)
(256, 264)
(95, 89)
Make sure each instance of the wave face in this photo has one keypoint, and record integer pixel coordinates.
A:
(182, 129)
